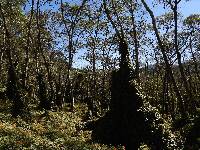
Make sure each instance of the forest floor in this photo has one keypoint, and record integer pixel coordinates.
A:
(58, 130)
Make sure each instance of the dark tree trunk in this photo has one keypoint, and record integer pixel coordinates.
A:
(42, 93)
(125, 102)
(179, 57)
(126, 123)
(13, 85)
(129, 121)
(58, 94)
(13, 92)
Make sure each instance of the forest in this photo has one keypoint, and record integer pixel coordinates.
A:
(99, 75)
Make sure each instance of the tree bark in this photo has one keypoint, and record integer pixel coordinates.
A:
(13, 85)
(167, 64)
(27, 48)
(181, 68)
(40, 49)
(136, 43)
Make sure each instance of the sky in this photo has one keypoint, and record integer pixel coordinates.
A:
(186, 8)
(191, 7)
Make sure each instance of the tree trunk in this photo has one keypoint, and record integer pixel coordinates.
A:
(27, 48)
(168, 66)
(181, 68)
(136, 44)
(13, 85)
(40, 49)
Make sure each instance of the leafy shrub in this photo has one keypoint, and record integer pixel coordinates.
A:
(56, 130)
(193, 134)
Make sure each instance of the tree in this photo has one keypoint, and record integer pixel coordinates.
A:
(174, 6)
(119, 125)
(70, 21)
(132, 6)
(27, 47)
(168, 66)
(192, 35)
(14, 92)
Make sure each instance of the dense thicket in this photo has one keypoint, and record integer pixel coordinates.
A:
(138, 70)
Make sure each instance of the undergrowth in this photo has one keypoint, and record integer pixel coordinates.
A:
(54, 130)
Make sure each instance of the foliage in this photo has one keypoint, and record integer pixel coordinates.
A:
(192, 133)
(157, 131)
(161, 129)
(57, 130)
(60, 54)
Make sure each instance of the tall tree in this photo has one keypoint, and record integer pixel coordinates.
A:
(27, 47)
(167, 64)
(13, 84)
(174, 6)
(70, 19)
